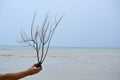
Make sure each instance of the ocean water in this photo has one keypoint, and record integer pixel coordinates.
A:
(64, 63)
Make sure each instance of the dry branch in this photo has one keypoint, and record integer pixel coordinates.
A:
(41, 36)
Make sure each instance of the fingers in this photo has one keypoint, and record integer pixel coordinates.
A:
(37, 68)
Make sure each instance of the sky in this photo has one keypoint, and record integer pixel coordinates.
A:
(86, 23)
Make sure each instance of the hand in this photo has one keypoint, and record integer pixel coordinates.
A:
(33, 70)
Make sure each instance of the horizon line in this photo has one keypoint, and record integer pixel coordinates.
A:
(63, 47)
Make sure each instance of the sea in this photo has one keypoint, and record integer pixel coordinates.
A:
(63, 63)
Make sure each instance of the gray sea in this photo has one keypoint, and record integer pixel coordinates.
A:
(64, 63)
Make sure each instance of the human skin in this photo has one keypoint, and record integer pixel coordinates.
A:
(18, 75)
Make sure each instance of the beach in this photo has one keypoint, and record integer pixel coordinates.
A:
(64, 63)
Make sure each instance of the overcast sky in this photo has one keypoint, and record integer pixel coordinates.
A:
(87, 23)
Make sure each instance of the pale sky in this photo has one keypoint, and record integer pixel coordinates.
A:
(87, 23)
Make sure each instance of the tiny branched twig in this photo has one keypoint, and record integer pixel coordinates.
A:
(41, 36)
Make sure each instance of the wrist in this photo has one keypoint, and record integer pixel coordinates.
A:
(28, 72)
